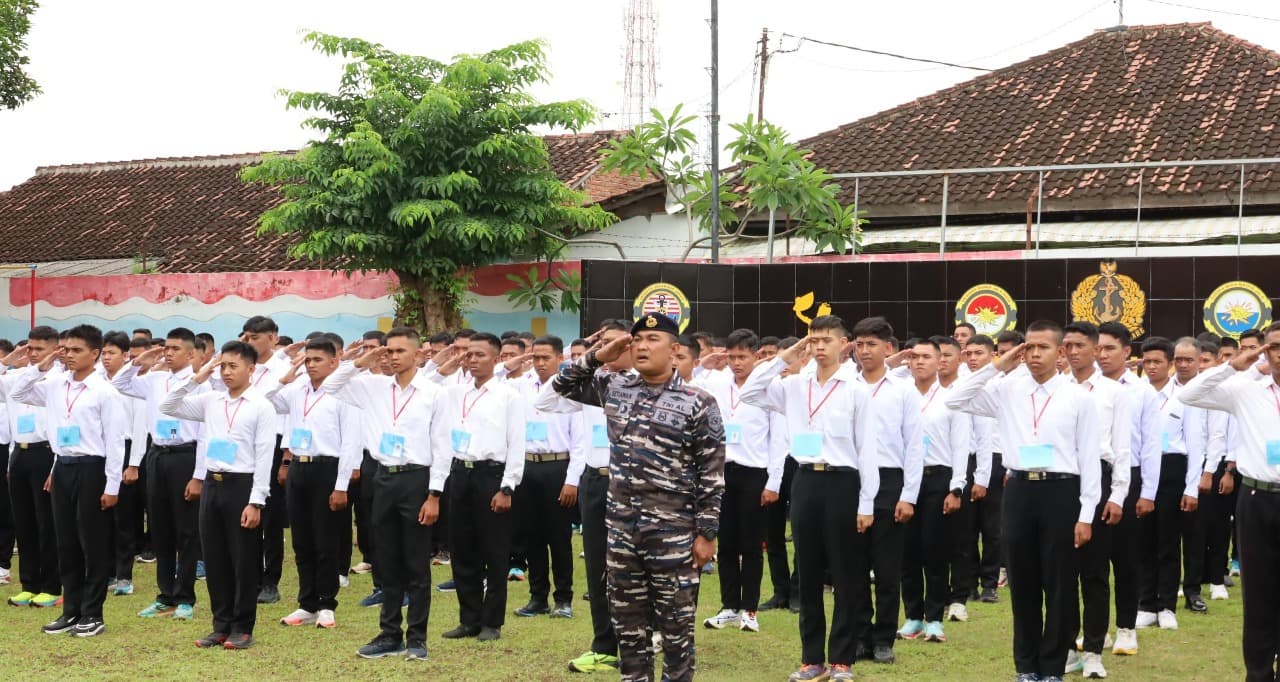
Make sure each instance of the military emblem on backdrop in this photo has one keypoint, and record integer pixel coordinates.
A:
(1235, 308)
(988, 308)
(1110, 297)
(804, 303)
(663, 298)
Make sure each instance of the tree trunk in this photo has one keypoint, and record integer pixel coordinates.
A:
(424, 307)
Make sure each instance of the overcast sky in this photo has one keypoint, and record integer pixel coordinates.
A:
(136, 79)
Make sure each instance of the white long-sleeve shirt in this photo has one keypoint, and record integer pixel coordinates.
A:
(548, 431)
(1051, 426)
(86, 418)
(596, 454)
(1185, 432)
(901, 445)
(753, 437)
(320, 425)
(1145, 429)
(945, 434)
(486, 424)
(1256, 406)
(239, 434)
(1115, 421)
(153, 387)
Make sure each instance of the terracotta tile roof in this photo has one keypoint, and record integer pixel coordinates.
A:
(1142, 93)
(193, 214)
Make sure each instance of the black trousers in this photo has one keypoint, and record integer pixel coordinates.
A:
(83, 530)
(1126, 554)
(124, 538)
(886, 542)
(404, 551)
(1258, 525)
(1215, 512)
(825, 529)
(7, 536)
(1038, 535)
(33, 520)
(175, 523)
(346, 533)
(1170, 535)
(142, 516)
(546, 529)
(742, 525)
(233, 563)
(976, 520)
(317, 532)
(593, 497)
(481, 544)
(275, 518)
(781, 572)
(1095, 574)
(929, 537)
(360, 495)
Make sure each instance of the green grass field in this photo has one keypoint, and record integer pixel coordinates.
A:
(1205, 647)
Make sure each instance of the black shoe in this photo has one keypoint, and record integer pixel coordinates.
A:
(862, 652)
(775, 602)
(415, 651)
(147, 558)
(269, 594)
(382, 647)
(883, 654)
(794, 607)
(213, 640)
(989, 596)
(59, 626)
(238, 641)
(533, 608)
(973, 595)
(1228, 581)
(89, 627)
(1196, 604)
(461, 632)
(489, 634)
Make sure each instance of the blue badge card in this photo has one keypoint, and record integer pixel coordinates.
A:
(599, 436)
(167, 428)
(1164, 441)
(1273, 453)
(26, 423)
(222, 450)
(535, 431)
(68, 436)
(391, 445)
(461, 441)
(1035, 456)
(733, 434)
(927, 443)
(300, 440)
(806, 444)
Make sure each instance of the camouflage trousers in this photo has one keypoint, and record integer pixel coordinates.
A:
(652, 584)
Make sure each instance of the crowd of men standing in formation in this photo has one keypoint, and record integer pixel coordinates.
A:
(925, 473)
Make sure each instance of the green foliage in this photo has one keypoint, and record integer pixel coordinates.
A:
(16, 87)
(426, 169)
(537, 292)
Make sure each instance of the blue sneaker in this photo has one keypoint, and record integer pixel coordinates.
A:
(515, 575)
(416, 651)
(912, 629)
(1235, 567)
(933, 632)
(381, 647)
(404, 603)
(183, 612)
(447, 586)
(374, 598)
(200, 574)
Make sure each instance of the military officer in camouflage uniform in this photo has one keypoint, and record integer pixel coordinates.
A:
(666, 477)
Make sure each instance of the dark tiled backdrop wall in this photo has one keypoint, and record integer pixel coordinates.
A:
(916, 297)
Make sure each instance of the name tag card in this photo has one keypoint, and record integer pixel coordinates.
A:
(599, 436)
(733, 434)
(927, 442)
(1273, 453)
(300, 440)
(391, 445)
(1164, 441)
(68, 436)
(26, 423)
(1035, 456)
(167, 429)
(222, 450)
(806, 444)
(461, 440)
(535, 431)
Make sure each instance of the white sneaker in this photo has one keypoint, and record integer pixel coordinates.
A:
(1073, 663)
(325, 619)
(749, 622)
(958, 613)
(343, 581)
(1146, 619)
(1093, 666)
(1180, 594)
(362, 568)
(722, 619)
(1126, 642)
(1218, 592)
(4, 576)
(299, 617)
(1106, 642)
(1168, 621)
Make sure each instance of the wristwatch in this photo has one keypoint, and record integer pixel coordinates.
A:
(434, 493)
(958, 492)
(709, 534)
(506, 490)
(257, 506)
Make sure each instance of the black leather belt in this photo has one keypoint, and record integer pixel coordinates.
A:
(181, 448)
(35, 444)
(1040, 475)
(937, 469)
(603, 472)
(820, 466)
(539, 457)
(308, 459)
(482, 464)
(400, 468)
(227, 476)
(1263, 486)
(69, 460)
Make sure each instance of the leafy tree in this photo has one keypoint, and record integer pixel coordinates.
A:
(770, 176)
(427, 169)
(16, 87)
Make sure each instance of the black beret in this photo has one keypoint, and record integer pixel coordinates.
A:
(655, 322)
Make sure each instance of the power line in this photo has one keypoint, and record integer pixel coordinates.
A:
(886, 54)
(1051, 31)
(1214, 11)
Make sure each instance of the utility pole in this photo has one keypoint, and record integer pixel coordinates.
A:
(764, 66)
(715, 131)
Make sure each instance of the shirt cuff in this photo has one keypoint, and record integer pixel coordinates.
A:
(256, 497)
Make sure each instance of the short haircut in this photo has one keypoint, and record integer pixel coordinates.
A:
(701, 336)
(323, 344)
(612, 325)
(1046, 326)
(208, 339)
(259, 324)
(1210, 337)
(1228, 342)
(443, 337)
(1010, 336)
(1117, 331)
(970, 327)
(144, 331)
(912, 343)
(140, 343)
(335, 340)
(578, 342)
(556, 343)
(464, 333)
(241, 349)
(1161, 344)
(1208, 346)
(829, 323)
(375, 335)
(509, 341)
(42, 333)
(877, 327)
(690, 341)
(285, 340)
(982, 340)
(1258, 334)
(509, 334)
(528, 336)
(1084, 328)
(91, 335)
(744, 339)
(404, 333)
(6, 346)
(118, 339)
(182, 334)
(768, 340)
(157, 342)
(942, 340)
(788, 342)
(719, 342)
(1189, 341)
(485, 337)
(893, 342)
(200, 344)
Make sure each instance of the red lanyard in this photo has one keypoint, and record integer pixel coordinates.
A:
(306, 409)
(1035, 416)
(70, 401)
(395, 413)
(879, 386)
(231, 418)
(932, 394)
(265, 371)
(734, 402)
(468, 410)
(814, 410)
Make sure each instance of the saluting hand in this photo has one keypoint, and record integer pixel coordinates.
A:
(1010, 360)
(1246, 358)
(207, 371)
(796, 351)
(370, 359)
(614, 349)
